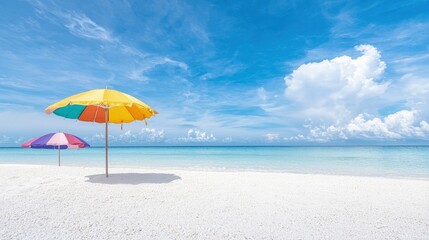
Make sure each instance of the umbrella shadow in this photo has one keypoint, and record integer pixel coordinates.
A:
(133, 178)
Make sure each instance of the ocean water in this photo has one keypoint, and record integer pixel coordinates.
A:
(386, 161)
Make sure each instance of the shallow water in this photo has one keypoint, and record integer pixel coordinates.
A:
(389, 161)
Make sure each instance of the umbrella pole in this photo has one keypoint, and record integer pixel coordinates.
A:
(59, 156)
(107, 141)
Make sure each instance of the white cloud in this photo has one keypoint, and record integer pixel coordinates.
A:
(150, 63)
(98, 137)
(137, 74)
(4, 139)
(262, 94)
(181, 65)
(340, 85)
(10, 141)
(153, 135)
(82, 26)
(272, 137)
(400, 125)
(191, 97)
(198, 136)
(340, 99)
(222, 68)
(145, 135)
(78, 24)
(414, 88)
(19, 140)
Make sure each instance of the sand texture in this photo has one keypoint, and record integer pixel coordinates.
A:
(49, 202)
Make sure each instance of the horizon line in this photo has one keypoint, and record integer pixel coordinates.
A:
(301, 145)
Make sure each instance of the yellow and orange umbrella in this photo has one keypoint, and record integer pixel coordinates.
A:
(102, 106)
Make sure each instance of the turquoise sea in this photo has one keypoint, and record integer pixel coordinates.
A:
(386, 161)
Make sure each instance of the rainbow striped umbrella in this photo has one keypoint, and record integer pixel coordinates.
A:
(102, 106)
(56, 141)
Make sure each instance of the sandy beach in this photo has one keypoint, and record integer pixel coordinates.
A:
(47, 202)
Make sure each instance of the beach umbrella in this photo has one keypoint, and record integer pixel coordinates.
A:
(102, 106)
(56, 141)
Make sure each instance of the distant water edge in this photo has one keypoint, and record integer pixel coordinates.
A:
(389, 161)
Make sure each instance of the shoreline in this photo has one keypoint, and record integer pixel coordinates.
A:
(222, 170)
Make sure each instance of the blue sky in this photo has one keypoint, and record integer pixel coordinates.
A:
(222, 72)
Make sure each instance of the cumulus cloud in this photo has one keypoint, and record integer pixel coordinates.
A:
(145, 135)
(148, 135)
(4, 139)
(11, 141)
(338, 78)
(337, 85)
(272, 137)
(152, 135)
(198, 136)
(400, 125)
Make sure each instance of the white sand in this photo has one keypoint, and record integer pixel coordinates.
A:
(47, 202)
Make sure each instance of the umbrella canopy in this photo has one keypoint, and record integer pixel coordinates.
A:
(102, 106)
(56, 141)
(91, 106)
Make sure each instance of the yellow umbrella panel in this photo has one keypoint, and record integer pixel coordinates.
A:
(102, 106)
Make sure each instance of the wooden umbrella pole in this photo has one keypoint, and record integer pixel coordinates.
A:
(59, 156)
(107, 141)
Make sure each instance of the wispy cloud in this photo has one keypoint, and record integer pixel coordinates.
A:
(81, 25)
(150, 63)
(77, 23)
